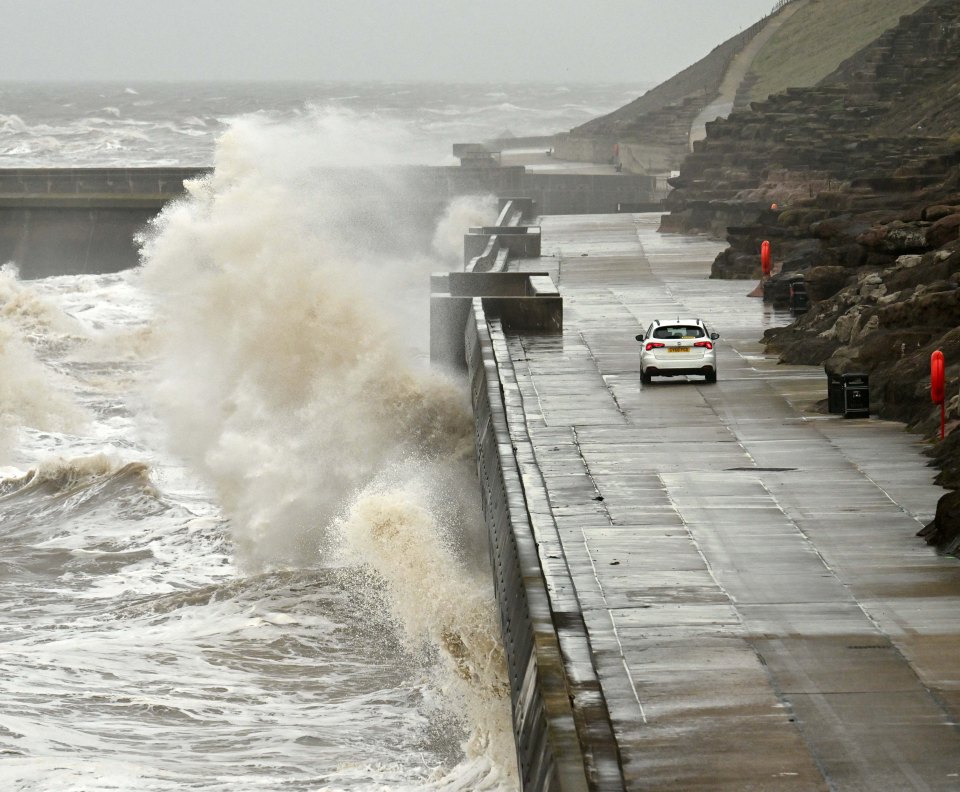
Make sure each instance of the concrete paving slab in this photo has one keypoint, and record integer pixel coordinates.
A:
(841, 617)
(845, 664)
(891, 741)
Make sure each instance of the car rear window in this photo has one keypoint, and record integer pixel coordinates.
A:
(678, 331)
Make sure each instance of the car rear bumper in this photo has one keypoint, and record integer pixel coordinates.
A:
(654, 371)
(667, 366)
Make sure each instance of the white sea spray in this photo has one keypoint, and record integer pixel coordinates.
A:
(290, 373)
(32, 394)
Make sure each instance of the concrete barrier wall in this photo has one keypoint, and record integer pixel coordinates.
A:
(476, 246)
(538, 314)
(482, 247)
(562, 725)
(649, 158)
(557, 193)
(59, 221)
(494, 284)
(521, 241)
(548, 753)
(583, 149)
(552, 193)
(513, 211)
(155, 182)
(81, 220)
(526, 302)
(67, 240)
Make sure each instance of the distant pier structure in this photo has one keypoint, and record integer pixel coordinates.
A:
(57, 221)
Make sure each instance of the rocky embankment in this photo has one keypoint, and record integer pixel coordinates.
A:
(856, 184)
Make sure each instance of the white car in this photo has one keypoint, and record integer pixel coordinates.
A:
(672, 347)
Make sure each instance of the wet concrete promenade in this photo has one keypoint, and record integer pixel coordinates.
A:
(760, 611)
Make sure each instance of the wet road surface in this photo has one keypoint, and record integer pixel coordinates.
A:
(761, 613)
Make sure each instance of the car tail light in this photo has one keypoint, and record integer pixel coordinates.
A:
(654, 345)
(704, 344)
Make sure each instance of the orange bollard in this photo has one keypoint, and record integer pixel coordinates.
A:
(938, 387)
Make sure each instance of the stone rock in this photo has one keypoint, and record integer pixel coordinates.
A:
(850, 255)
(832, 228)
(944, 532)
(946, 454)
(901, 239)
(884, 347)
(940, 309)
(824, 282)
(929, 269)
(938, 212)
(801, 255)
(948, 251)
(734, 265)
(872, 288)
(945, 230)
(871, 238)
(866, 329)
(844, 359)
(809, 351)
(801, 217)
(851, 326)
(909, 260)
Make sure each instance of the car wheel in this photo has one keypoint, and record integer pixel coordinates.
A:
(645, 378)
(711, 376)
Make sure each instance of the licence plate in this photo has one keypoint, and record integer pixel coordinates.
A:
(679, 349)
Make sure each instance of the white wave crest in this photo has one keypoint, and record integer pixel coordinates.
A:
(31, 394)
(442, 606)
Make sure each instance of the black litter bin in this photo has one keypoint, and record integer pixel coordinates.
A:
(834, 393)
(799, 299)
(856, 395)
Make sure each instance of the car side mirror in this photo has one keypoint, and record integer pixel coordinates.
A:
(714, 336)
(640, 337)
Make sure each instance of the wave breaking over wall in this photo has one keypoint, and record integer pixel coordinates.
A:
(290, 289)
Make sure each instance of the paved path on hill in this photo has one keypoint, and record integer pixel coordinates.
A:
(761, 613)
(722, 106)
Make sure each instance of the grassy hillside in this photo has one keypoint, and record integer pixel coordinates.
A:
(698, 81)
(817, 38)
(812, 41)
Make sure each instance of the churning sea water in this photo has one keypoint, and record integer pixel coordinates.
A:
(69, 125)
(240, 538)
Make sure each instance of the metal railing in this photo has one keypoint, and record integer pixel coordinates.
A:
(780, 4)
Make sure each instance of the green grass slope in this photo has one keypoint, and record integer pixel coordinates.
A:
(817, 39)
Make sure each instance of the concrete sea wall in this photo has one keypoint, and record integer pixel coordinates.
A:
(57, 221)
(562, 727)
(61, 221)
(549, 753)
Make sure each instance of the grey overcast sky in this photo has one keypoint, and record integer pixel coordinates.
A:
(388, 40)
